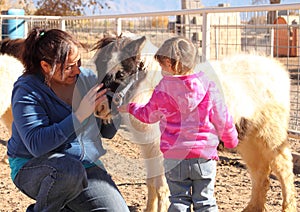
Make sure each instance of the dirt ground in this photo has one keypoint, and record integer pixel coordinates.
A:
(123, 161)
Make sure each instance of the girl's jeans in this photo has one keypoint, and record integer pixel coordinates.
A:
(60, 183)
(191, 182)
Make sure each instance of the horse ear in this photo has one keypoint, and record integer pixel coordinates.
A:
(133, 48)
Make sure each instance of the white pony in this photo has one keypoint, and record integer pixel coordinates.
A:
(10, 69)
(256, 90)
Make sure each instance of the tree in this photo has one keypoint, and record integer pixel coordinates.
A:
(275, 1)
(69, 8)
(265, 1)
(27, 5)
(4, 5)
(160, 22)
(56, 7)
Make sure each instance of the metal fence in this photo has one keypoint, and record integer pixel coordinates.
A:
(271, 30)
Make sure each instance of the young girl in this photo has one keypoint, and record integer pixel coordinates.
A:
(192, 118)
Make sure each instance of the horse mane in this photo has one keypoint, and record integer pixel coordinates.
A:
(103, 42)
(12, 47)
(107, 39)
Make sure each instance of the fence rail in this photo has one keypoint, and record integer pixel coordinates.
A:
(273, 30)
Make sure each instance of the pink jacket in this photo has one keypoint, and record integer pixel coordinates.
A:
(192, 117)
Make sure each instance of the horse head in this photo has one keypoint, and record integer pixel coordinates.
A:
(120, 69)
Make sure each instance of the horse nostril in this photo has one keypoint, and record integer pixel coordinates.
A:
(117, 100)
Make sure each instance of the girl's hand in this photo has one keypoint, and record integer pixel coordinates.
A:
(90, 101)
(123, 108)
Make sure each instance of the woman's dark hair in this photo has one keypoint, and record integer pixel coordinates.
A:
(52, 46)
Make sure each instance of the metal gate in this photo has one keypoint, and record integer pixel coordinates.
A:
(272, 30)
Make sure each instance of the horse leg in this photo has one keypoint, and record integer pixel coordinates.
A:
(158, 194)
(152, 196)
(7, 119)
(282, 166)
(259, 169)
(158, 190)
(163, 194)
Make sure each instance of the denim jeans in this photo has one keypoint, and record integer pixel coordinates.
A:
(60, 183)
(191, 182)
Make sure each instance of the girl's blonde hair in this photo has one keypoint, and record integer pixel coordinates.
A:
(182, 53)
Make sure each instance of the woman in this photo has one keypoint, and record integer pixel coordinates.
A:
(55, 143)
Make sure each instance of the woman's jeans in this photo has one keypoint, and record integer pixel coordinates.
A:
(191, 182)
(60, 183)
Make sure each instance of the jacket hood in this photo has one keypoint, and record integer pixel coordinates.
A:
(187, 91)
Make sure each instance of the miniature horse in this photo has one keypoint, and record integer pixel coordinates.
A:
(10, 69)
(256, 90)
(122, 71)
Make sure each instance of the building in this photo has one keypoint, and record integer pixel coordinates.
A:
(223, 34)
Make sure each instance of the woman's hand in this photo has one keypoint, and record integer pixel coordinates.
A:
(123, 108)
(90, 101)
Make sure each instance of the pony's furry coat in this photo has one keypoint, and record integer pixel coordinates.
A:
(10, 69)
(256, 90)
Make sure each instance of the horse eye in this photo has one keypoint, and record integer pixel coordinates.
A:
(119, 75)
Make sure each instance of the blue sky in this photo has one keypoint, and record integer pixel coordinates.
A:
(241, 2)
(136, 6)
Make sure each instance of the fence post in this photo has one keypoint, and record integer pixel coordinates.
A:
(205, 38)
(216, 43)
(272, 42)
(118, 26)
(1, 21)
(63, 24)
